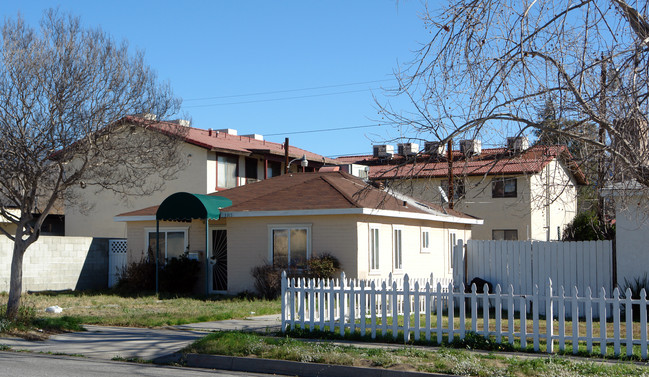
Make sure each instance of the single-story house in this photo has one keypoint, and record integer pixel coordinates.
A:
(289, 218)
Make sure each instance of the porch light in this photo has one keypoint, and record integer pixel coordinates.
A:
(303, 162)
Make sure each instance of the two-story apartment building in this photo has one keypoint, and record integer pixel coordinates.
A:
(215, 160)
(521, 192)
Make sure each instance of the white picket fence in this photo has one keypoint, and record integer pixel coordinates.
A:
(358, 306)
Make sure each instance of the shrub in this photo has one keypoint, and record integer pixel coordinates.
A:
(324, 266)
(586, 227)
(136, 277)
(268, 277)
(636, 286)
(178, 275)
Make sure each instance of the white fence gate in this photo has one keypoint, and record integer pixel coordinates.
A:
(116, 260)
(524, 264)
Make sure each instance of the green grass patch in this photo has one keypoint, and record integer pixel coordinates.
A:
(110, 309)
(443, 360)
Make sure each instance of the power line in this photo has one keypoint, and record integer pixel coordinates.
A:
(279, 99)
(328, 129)
(287, 90)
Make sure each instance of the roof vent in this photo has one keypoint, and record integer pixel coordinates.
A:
(254, 136)
(435, 148)
(471, 147)
(228, 131)
(383, 151)
(517, 144)
(147, 116)
(408, 149)
(182, 122)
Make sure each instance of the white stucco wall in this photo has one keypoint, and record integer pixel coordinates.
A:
(552, 191)
(102, 205)
(632, 239)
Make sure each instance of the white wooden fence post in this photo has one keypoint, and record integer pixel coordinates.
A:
(342, 302)
(510, 314)
(440, 313)
(417, 311)
(451, 313)
(575, 321)
(643, 324)
(602, 321)
(352, 307)
(395, 311)
(292, 302)
(406, 309)
(549, 318)
(428, 313)
(363, 308)
(498, 323)
(384, 309)
(462, 310)
(628, 309)
(562, 318)
(616, 322)
(535, 316)
(474, 308)
(589, 320)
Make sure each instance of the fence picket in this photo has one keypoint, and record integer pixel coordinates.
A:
(312, 304)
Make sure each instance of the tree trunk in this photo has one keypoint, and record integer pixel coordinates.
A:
(16, 282)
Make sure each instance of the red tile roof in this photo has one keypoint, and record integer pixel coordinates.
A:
(236, 144)
(315, 191)
(494, 161)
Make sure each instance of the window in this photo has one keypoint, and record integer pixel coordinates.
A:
(425, 241)
(458, 188)
(290, 245)
(251, 168)
(398, 249)
(173, 242)
(503, 188)
(504, 234)
(452, 241)
(274, 169)
(226, 170)
(374, 249)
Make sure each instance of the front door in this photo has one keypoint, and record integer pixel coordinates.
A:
(219, 260)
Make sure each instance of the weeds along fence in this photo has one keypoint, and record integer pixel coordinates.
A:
(439, 313)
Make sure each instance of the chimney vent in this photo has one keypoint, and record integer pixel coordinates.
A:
(471, 147)
(408, 149)
(435, 148)
(517, 144)
(383, 151)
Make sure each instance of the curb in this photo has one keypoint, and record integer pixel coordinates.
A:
(291, 368)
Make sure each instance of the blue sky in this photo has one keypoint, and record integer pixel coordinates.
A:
(317, 63)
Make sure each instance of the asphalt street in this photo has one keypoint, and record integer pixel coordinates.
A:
(39, 365)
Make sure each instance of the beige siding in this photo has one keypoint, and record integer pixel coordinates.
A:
(96, 219)
(249, 243)
(345, 237)
(550, 194)
(416, 262)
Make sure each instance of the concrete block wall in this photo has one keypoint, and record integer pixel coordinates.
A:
(58, 263)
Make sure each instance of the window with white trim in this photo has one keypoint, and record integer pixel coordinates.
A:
(226, 171)
(397, 248)
(173, 242)
(374, 248)
(425, 240)
(290, 245)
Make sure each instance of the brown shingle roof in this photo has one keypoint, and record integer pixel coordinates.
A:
(315, 191)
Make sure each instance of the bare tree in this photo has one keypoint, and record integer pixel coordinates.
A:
(491, 67)
(64, 91)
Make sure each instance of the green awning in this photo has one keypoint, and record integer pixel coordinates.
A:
(183, 206)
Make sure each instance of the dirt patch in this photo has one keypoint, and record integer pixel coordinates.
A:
(38, 335)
